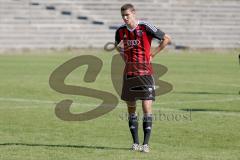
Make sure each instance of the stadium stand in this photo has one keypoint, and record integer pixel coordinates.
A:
(92, 23)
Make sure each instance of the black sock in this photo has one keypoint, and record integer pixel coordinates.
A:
(147, 127)
(133, 126)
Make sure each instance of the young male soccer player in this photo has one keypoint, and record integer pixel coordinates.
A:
(133, 40)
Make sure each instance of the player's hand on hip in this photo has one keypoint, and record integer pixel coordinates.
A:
(120, 46)
(151, 58)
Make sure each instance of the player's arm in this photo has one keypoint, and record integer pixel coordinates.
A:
(119, 44)
(166, 40)
(120, 48)
(160, 35)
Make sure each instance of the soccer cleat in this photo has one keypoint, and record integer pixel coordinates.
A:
(145, 148)
(135, 147)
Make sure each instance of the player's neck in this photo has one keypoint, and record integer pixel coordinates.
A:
(133, 24)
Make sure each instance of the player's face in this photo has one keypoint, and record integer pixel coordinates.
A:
(128, 16)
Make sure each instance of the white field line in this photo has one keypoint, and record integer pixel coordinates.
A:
(203, 101)
(216, 84)
(26, 100)
(89, 104)
(122, 105)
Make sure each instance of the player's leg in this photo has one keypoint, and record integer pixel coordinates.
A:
(147, 123)
(133, 123)
(147, 106)
(128, 97)
(131, 107)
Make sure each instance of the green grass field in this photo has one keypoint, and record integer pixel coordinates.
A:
(207, 83)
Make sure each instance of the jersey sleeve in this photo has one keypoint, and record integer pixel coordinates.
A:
(117, 38)
(154, 31)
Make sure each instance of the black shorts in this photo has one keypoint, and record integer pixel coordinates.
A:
(138, 88)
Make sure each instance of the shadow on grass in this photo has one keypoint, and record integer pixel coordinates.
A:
(63, 145)
(217, 93)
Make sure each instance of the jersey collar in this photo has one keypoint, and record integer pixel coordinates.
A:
(133, 28)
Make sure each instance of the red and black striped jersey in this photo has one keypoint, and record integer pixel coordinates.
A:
(136, 47)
